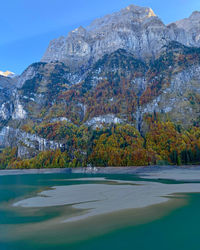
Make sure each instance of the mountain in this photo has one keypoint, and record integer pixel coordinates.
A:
(126, 68)
(7, 73)
(191, 25)
(136, 29)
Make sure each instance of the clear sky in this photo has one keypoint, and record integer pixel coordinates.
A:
(27, 26)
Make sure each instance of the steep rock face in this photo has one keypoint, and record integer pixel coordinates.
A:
(135, 29)
(11, 108)
(180, 101)
(192, 26)
(18, 109)
(106, 119)
(40, 85)
(7, 89)
(174, 89)
(28, 144)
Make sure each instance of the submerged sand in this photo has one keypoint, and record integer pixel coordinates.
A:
(177, 174)
(99, 199)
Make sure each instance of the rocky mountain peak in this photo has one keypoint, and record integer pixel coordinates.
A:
(192, 27)
(192, 22)
(135, 29)
(140, 11)
(7, 73)
(195, 15)
(129, 15)
(80, 31)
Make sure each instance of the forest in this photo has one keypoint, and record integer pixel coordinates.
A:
(164, 143)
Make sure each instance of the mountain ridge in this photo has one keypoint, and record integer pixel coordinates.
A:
(136, 29)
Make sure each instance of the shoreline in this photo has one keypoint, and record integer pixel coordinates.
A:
(98, 170)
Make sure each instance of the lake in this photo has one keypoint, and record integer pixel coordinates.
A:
(100, 211)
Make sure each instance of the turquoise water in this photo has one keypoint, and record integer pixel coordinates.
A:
(177, 228)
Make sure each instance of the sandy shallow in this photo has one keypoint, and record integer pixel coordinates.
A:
(173, 174)
(98, 199)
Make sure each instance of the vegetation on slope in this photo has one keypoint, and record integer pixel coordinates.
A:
(117, 145)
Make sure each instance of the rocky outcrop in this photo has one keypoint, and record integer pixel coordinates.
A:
(10, 106)
(18, 110)
(106, 119)
(7, 89)
(10, 137)
(192, 26)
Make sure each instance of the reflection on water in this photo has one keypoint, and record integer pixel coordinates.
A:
(41, 228)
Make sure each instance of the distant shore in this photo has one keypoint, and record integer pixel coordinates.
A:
(97, 170)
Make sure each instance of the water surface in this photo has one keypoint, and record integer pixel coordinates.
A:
(173, 224)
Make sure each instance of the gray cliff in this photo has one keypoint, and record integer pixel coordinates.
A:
(135, 29)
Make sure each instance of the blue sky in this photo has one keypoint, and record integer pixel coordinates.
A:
(27, 26)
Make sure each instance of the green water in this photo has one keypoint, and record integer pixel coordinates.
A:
(24, 229)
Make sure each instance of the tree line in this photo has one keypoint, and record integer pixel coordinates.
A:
(116, 145)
